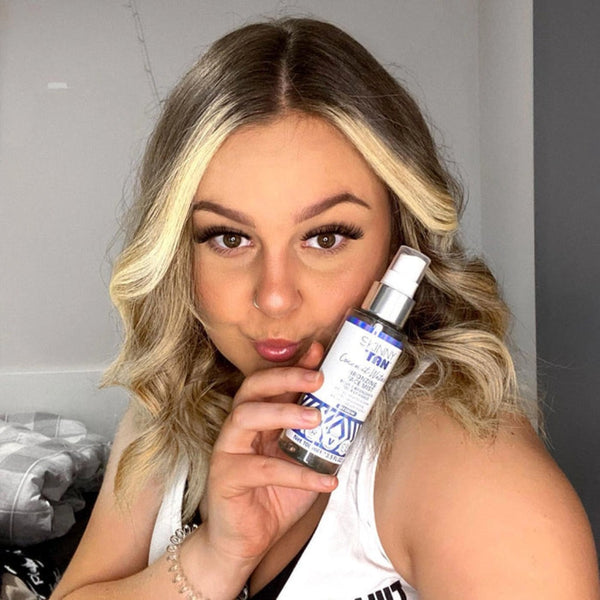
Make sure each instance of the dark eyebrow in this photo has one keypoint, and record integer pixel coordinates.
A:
(308, 213)
(320, 207)
(234, 215)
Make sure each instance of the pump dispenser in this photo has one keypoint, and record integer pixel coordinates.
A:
(357, 365)
(391, 299)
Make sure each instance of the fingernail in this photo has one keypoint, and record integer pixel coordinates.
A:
(311, 415)
(311, 375)
(328, 481)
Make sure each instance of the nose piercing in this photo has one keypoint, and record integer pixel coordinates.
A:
(254, 302)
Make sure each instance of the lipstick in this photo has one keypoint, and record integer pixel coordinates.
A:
(276, 350)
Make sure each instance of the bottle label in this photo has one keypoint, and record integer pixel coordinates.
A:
(355, 369)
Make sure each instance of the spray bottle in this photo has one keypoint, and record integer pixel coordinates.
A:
(357, 365)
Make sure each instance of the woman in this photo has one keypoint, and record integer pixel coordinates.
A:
(285, 171)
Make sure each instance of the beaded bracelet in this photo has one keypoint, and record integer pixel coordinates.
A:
(179, 579)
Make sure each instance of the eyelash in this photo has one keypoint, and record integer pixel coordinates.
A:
(211, 233)
(204, 235)
(351, 232)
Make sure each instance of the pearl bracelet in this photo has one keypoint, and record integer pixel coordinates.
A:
(184, 587)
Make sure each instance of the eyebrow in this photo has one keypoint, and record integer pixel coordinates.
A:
(316, 209)
(308, 213)
(234, 215)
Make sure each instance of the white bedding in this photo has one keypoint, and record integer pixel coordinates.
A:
(45, 462)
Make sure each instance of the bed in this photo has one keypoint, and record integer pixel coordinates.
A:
(50, 471)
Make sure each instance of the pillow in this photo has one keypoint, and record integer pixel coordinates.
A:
(46, 462)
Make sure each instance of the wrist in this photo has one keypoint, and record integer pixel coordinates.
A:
(203, 572)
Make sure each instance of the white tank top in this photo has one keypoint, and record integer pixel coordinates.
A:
(344, 559)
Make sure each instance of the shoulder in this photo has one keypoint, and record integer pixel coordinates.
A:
(465, 517)
(119, 533)
(140, 511)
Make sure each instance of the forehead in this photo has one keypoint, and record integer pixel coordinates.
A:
(296, 158)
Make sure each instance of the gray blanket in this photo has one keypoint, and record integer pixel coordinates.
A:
(45, 463)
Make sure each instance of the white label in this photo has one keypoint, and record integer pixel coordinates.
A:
(355, 369)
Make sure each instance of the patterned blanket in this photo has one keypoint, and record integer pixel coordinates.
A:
(48, 465)
(46, 462)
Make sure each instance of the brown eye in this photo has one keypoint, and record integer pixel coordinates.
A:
(331, 237)
(326, 240)
(221, 239)
(232, 240)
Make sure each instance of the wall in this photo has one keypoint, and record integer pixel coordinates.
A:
(507, 216)
(79, 87)
(567, 244)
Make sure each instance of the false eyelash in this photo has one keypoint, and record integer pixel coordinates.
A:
(203, 235)
(349, 231)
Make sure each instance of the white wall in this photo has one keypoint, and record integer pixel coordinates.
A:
(76, 101)
(507, 217)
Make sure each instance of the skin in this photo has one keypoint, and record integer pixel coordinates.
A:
(498, 514)
(276, 177)
(459, 518)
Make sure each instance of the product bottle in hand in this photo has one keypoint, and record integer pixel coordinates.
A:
(357, 365)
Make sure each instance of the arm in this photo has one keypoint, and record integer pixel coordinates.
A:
(120, 539)
(253, 497)
(482, 520)
(115, 545)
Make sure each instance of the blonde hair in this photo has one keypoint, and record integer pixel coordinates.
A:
(181, 386)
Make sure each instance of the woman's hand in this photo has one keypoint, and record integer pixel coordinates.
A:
(255, 492)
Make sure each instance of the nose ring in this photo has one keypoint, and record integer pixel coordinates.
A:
(255, 303)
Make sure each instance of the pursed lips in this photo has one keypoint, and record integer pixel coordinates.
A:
(277, 349)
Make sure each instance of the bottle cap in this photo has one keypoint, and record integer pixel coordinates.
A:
(391, 299)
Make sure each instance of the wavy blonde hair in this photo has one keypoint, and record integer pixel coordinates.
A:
(180, 385)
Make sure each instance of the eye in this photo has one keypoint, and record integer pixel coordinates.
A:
(230, 240)
(331, 237)
(222, 239)
(326, 241)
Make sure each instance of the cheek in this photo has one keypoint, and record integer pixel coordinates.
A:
(358, 283)
(371, 265)
(347, 286)
(333, 296)
(217, 297)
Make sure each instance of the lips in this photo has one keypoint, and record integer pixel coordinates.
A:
(276, 350)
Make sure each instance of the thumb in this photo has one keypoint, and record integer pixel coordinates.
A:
(312, 358)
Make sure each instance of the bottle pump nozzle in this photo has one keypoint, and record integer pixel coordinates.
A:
(391, 299)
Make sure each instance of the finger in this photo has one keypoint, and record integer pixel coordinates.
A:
(248, 419)
(312, 357)
(275, 382)
(235, 477)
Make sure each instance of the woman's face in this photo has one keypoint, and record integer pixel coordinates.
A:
(291, 227)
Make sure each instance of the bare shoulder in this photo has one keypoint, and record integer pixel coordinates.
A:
(121, 536)
(467, 518)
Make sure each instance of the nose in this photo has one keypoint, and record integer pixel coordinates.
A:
(277, 293)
